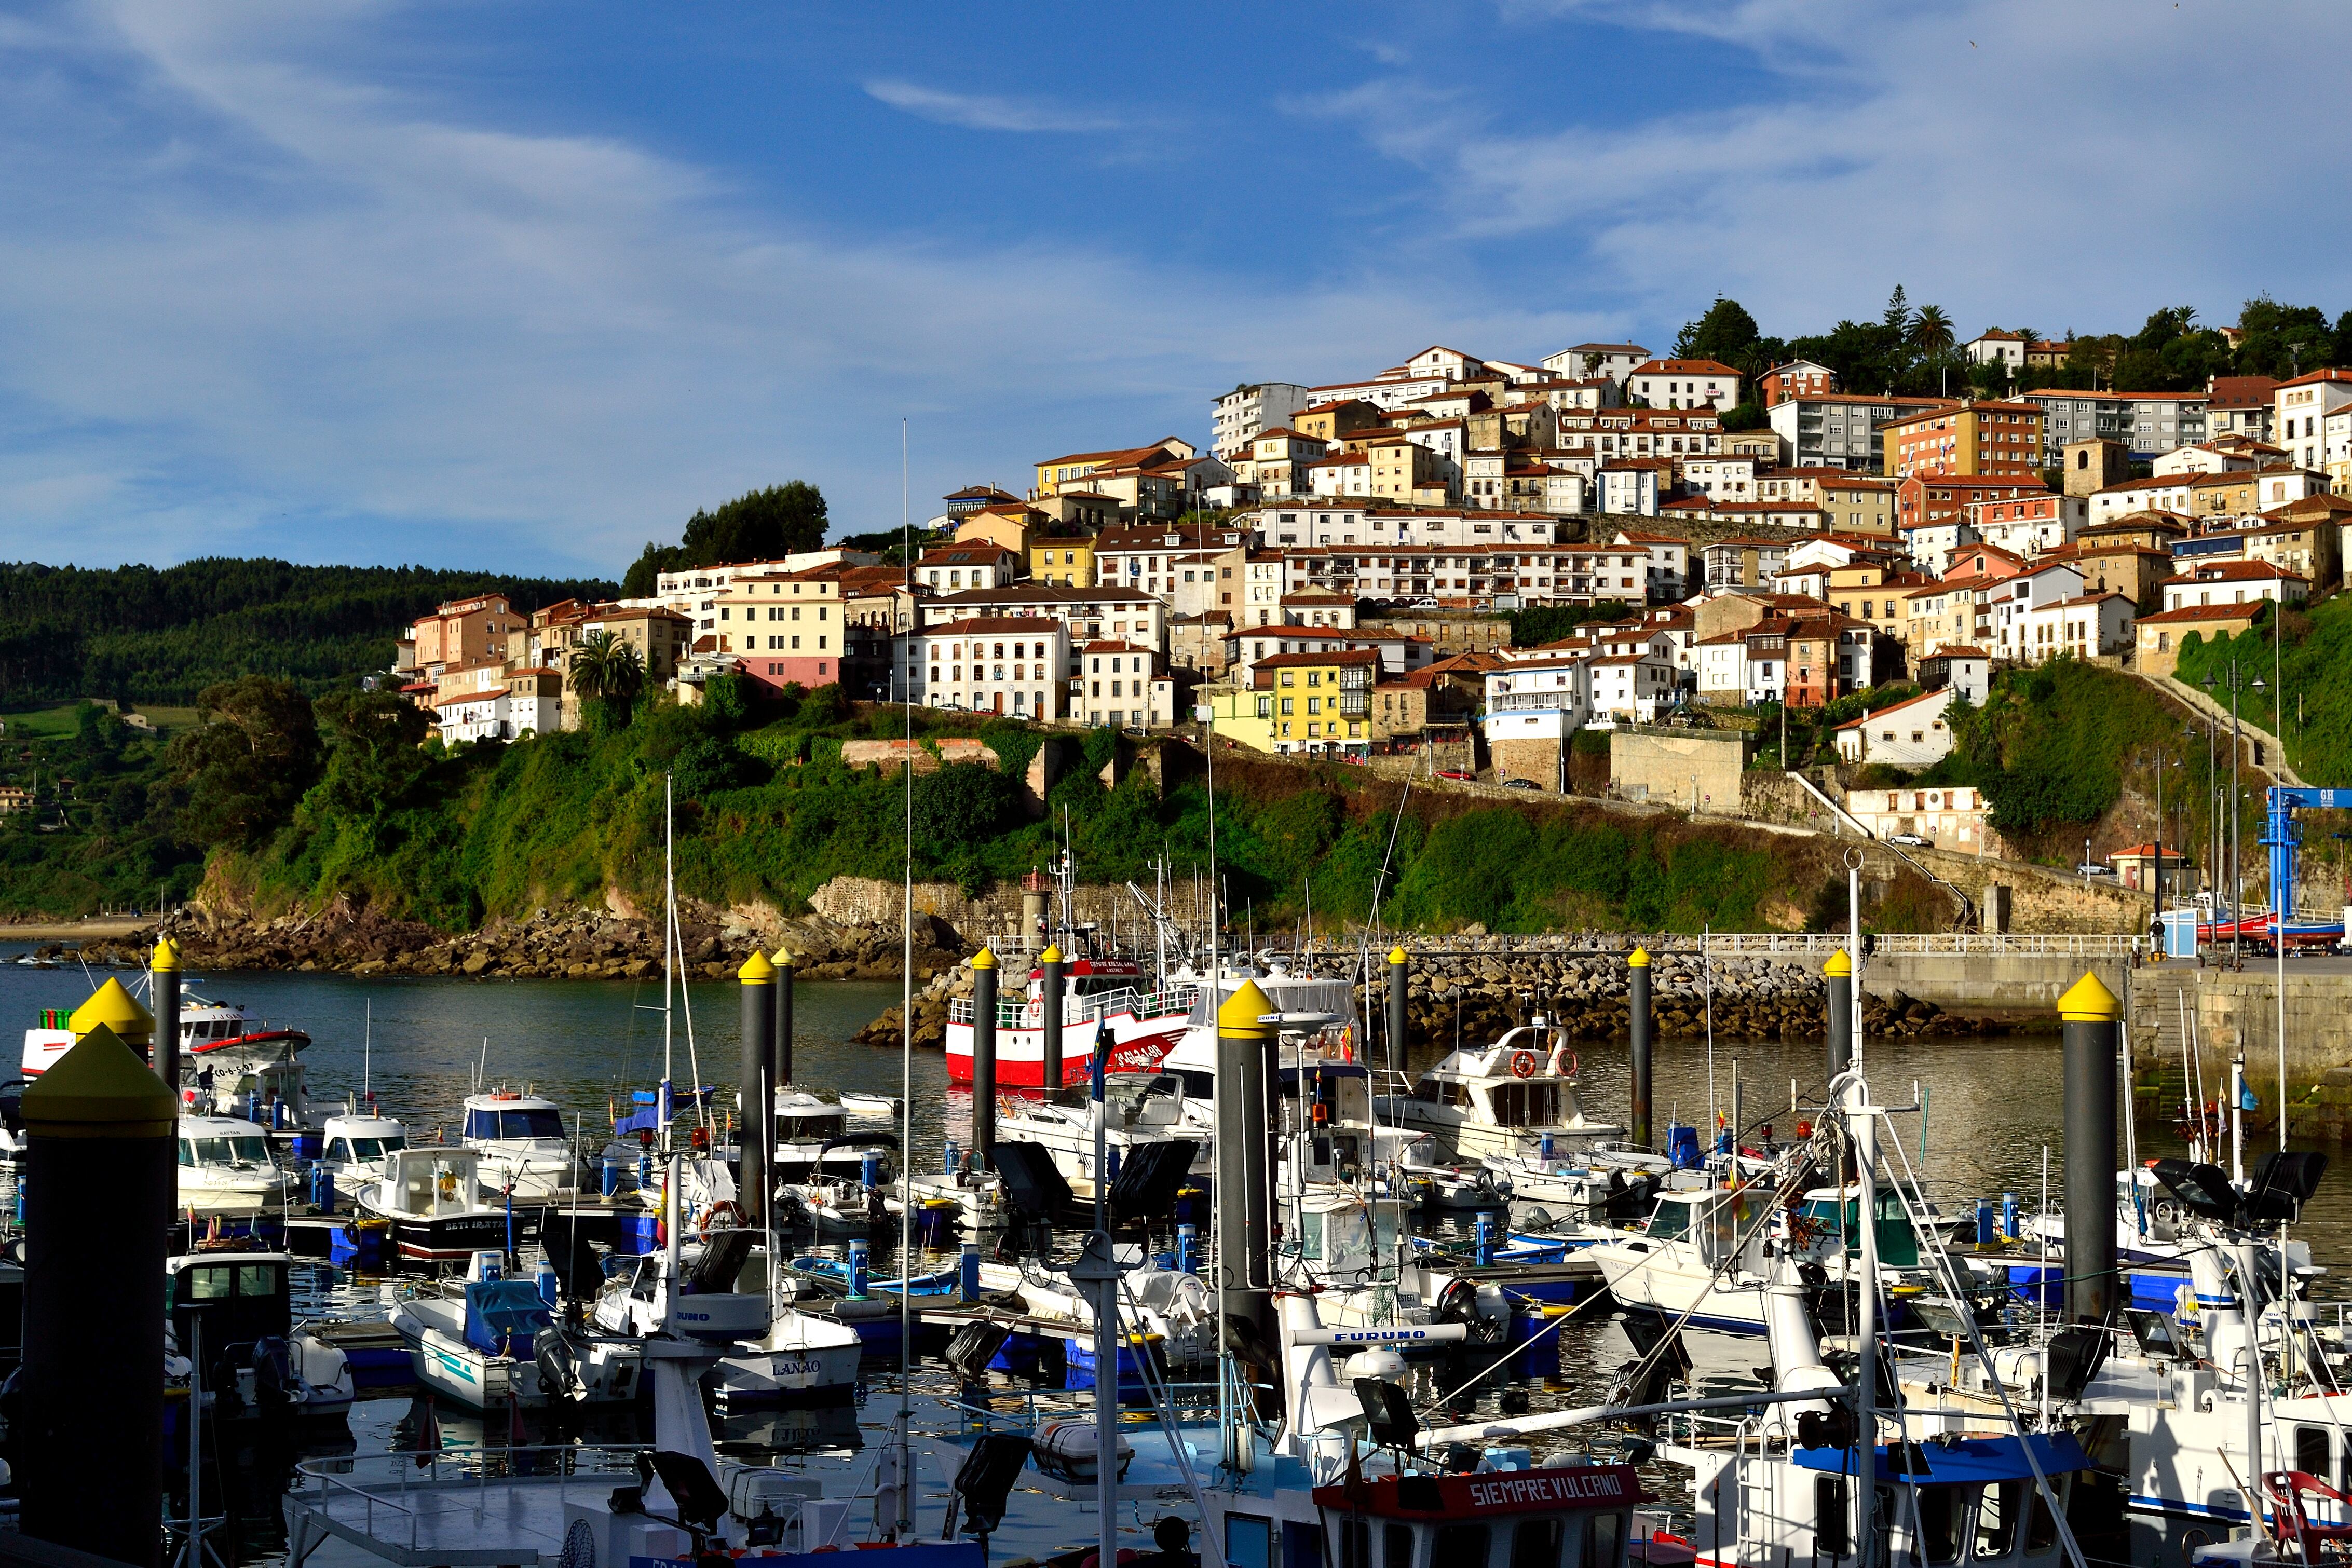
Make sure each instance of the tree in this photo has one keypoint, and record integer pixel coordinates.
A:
(961, 807)
(1729, 334)
(1931, 334)
(2282, 340)
(376, 751)
(254, 754)
(1898, 316)
(759, 525)
(607, 672)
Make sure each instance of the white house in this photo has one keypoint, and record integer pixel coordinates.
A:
(2028, 526)
(1722, 479)
(1631, 689)
(2298, 408)
(1121, 684)
(2233, 582)
(1908, 734)
(974, 563)
(1931, 546)
(1951, 818)
(2012, 598)
(2158, 493)
(1588, 361)
(2084, 627)
(1996, 348)
(1241, 412)
(1015, 665)
(1630, 490)
(1685, 384)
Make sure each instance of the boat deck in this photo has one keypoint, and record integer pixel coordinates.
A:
(446, 1513)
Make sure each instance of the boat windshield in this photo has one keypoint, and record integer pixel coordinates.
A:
(376, 1148)
(802, 1129)
(1527, 1104)
(226, 1152)
(546, 1121)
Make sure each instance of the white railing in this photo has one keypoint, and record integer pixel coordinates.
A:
(320, 1483)
(1023, 1014)
(1816, 945)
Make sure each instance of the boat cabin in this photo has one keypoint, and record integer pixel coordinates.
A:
(425, 1183)
(1505, 1099)
(1346, 1239)
(1562, 1516)
(224, 1144)
(1133, 1100)
(1831, 1215)
(506, 1117)
(362, 1140)
(1941, 1503)
(1713, 1221)
(241, 1297)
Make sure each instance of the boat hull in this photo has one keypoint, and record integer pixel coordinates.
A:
(1135, 1045)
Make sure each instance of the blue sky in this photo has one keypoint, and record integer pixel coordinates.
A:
(519, 286)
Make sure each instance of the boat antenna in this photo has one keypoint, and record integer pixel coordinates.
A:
(906, 1522)
(669, 957)
(367, 1048)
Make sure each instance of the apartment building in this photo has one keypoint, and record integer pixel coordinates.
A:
(1017, 665)
(1968, 440)
(1236, 418)
(1835, 430)
(2299, 407)
(2147, 425)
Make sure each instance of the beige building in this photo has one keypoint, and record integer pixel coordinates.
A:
(466, 630)
(2157, 638)
(2092, 467)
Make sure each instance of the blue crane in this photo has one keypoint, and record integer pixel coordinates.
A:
(2283, 838)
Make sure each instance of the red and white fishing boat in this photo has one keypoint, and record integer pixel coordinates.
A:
(1108, 1003)
(225, 1057)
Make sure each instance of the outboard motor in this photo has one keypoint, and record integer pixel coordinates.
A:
(274, 1384)
(551, 1351)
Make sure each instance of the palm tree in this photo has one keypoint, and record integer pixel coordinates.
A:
(606, 666)
(1931, 334)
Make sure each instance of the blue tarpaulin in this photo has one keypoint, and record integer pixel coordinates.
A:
(503, 1315)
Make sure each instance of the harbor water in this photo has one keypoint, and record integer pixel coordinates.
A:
(1994, 1114)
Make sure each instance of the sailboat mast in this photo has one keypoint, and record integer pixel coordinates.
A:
(669, 954)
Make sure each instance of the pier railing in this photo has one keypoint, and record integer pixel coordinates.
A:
(1809, 944)
(1021, 1013)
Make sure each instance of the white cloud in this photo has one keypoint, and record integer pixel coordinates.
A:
(2006, 161)
(982, 111)
(253, 301)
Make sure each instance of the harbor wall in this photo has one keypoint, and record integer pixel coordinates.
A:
(2226, 1012)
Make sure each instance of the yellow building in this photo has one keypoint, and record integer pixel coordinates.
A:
(1063, 562)
(1236, 716)
(1859, 506)
(1967, 440)
(1316, 702)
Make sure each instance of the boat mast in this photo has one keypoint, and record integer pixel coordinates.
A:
(669, 957)
(906, 1520)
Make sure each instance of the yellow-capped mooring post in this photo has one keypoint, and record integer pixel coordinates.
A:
(1244, 1275)
(98, 1179)
(755, 1086)
(163, 991)
(2090, 1031)
(1838, 974)
(1398, 975)
(780, 1053)
(1049, 1015)
(1641, 1041)
(983, 1056)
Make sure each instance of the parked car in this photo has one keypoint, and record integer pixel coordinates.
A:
(1462, 774)
(1917, 841)
(1521, 784)
(2096, 869)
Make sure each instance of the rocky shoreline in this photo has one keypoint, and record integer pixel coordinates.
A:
(1473, 985)
(1482, 994)
(579, 944)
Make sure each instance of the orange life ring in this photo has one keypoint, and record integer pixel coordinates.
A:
(1523, 1064)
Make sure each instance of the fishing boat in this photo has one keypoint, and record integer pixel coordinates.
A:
(1108, 1003)
(524, 1149)
(430, 1197)
(215, 1034)
(693, 1296)
(485, 1340)
(227, 1167)
(357, 1147)
(1505, 1099)
(238, 1308)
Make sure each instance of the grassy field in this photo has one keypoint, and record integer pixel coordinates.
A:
(58, 721)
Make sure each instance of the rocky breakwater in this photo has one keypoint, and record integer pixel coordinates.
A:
(1754, 997)
(1489, 991)
(579, 944)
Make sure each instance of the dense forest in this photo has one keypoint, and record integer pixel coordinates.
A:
(134, 634)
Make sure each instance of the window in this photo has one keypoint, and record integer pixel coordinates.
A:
(1462, 1544)
(1604, 1540)
(1249, 1541)
(1535, 1544)
(1832, 1529)
(1396, 1546)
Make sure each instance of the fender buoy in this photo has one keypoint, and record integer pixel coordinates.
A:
(1523, 1064)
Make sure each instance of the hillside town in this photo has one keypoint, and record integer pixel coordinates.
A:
(1339, 572)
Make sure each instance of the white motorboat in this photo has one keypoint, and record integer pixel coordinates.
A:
(832, 1206)
(701, 1303)
(226, 1055)
(803, 1356)
(1163, 1308)
(523, 1146)
(431, 1198)
(357, 1148)
(1702, 1254)
(859, 1103)
(256, 1361)
(227, 1167)
(1505, 1099)
(485, 1339)
(1137, 1108)
(812, 1139)
(1421, 1171)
